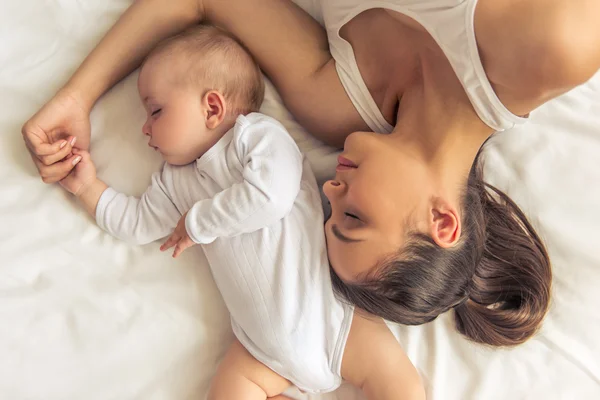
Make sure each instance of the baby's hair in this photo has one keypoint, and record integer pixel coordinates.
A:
(216, 60)
(497, 278)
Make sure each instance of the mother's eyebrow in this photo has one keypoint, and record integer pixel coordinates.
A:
(341, 236)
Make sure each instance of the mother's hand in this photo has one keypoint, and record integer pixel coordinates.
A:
(51, 133)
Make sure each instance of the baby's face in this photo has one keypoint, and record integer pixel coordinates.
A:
(176, 117)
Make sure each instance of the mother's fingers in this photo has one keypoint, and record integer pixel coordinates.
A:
(41, 149)
(37, 141)
(64, 149)
(57, 171)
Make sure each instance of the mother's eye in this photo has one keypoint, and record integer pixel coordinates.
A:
(351, 216)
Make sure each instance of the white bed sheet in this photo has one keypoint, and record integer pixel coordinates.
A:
(84, 315)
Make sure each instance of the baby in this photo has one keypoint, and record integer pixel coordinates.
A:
(235, 182)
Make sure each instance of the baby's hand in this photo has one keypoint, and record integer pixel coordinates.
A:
(179, 238)
(82, 175)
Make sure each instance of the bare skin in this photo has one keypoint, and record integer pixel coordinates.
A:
(182, 124)
(437, 131)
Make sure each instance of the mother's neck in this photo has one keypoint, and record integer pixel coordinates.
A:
(438, 123)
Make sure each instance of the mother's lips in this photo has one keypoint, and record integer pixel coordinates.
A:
(345, 164)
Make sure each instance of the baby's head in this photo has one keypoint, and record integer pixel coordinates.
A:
(193, 87)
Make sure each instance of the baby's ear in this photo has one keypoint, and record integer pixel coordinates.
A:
(215, 107)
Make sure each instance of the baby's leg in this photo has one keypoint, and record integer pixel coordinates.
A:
(240, 376)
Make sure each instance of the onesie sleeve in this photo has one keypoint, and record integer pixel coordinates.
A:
(272, 171)
(138, 220)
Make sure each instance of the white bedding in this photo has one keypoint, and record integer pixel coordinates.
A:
(84, 316)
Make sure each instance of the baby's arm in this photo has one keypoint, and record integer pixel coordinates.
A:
(135, 220)
(375, 362)
(272, 170)
(83, 183)
(138, 220)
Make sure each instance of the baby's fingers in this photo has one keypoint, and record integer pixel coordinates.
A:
(178, 250)
(182, 245)
(170, 242)
(85, 155)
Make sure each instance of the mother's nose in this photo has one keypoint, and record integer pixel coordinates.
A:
(333, 188)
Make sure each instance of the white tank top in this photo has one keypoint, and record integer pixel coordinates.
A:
(450, 23)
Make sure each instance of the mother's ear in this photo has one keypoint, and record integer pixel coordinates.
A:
(444, 223)
(215, 108)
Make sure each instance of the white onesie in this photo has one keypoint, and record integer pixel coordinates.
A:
(254, 205)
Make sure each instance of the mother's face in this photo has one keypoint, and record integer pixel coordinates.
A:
(378, 194)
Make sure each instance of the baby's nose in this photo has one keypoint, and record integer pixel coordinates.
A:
(146, 129)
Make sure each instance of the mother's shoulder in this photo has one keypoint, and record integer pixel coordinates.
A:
(536, 49)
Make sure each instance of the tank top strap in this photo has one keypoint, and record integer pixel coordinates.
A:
(451, 24)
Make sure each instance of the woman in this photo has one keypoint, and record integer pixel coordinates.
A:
(420, 231)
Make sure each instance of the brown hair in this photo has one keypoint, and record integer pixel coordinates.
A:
(497, 278)
(217, 61)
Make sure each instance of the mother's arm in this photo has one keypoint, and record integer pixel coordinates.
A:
(289, 45)
(374, 362)
(535, 50)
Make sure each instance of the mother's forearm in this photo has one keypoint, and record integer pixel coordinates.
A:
(124, 47)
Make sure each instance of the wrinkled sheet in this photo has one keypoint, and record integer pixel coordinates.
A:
(85, 316)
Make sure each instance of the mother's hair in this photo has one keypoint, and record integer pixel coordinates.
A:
(497, 278)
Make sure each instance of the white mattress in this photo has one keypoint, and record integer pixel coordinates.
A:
(85, 316)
